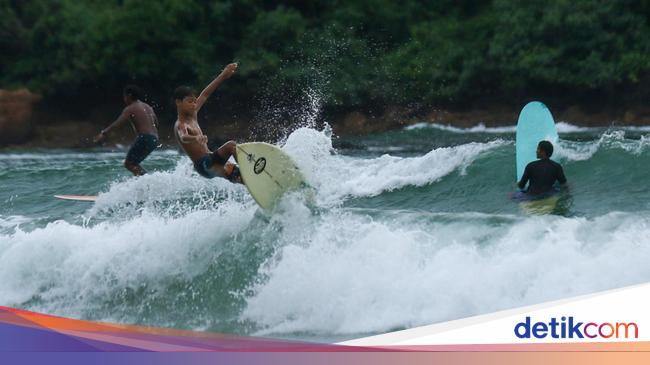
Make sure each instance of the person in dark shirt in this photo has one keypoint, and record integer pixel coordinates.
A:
(542, 173)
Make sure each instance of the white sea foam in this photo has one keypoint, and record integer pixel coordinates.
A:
(11, 222)
(68, 267)
(335, 271)
(336, 177)
(614, 139)
(479, 128)
(54, 154)
(180, 183)
(354, 274)
(562, 128)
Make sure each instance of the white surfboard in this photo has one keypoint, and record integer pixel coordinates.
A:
(267, 172)
(79, 198)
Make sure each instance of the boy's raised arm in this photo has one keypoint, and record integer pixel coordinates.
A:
(225, 74)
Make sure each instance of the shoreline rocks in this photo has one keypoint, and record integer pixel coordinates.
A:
(16, 111)
(26, 124)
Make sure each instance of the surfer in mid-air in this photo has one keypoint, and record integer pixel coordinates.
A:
(189, 135)
(542, 173)
(144, 122)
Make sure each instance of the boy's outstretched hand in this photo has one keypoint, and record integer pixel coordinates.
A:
(230, 70)
(227, 72)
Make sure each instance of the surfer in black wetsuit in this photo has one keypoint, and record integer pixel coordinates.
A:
(145, 124)
(542, 173)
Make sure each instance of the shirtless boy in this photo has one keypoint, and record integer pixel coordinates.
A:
(189, 135)
(145, 124)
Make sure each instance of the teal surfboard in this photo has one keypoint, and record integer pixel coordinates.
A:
(535, 124)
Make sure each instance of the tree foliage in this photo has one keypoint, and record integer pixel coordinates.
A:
(367, 52)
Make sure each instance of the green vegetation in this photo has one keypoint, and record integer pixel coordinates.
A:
(354, 53)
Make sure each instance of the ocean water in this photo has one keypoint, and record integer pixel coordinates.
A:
(408, 228)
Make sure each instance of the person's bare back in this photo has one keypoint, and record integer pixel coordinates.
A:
(142, 118)
(145, 124)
